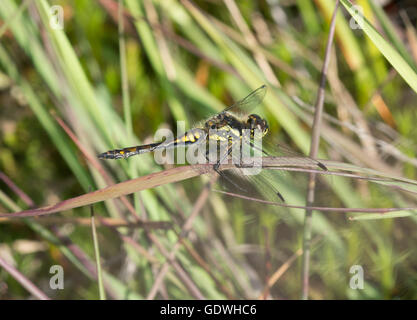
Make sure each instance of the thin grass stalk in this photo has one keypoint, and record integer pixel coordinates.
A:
(252, 42)
(391, 53)
(101, 291)
(186, 172)
(184, 277)
(123, 72)
(15, 15)
(25, 282)
(187, 226)
(70, 250)
(315, 140)
(220, 283)
(379, 211)
(283, 268)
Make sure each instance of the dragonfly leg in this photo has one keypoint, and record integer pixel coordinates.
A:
(231, 138)
(217, 165)
(228, 179)
(259, 149)
(279, 195)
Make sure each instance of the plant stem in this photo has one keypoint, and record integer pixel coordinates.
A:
(315, 140)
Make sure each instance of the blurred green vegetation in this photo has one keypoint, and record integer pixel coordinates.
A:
(184, 61)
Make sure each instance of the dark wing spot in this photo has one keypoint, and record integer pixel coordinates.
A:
(280, 196)
(322, 166)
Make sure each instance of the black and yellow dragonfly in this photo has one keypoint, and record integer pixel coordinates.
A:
(223, 126)
(219, 127)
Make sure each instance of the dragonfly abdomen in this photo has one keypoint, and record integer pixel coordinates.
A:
(192, 136)
(128, 152)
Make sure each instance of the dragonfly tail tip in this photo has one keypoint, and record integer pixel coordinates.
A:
(105, 155)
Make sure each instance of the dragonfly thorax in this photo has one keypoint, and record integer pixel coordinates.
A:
(222, 120)
(224, 124)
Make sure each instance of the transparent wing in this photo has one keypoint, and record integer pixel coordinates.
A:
(250, 102)
(265, 183)
(293, 156)
(240, 180)
(240, 108)
(269, 183)
(286, 155)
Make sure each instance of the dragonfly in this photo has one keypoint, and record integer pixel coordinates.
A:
(225, 127)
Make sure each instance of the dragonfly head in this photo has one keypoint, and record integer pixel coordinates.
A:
(256, 122)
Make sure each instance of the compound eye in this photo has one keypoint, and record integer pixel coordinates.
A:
(213, 126)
